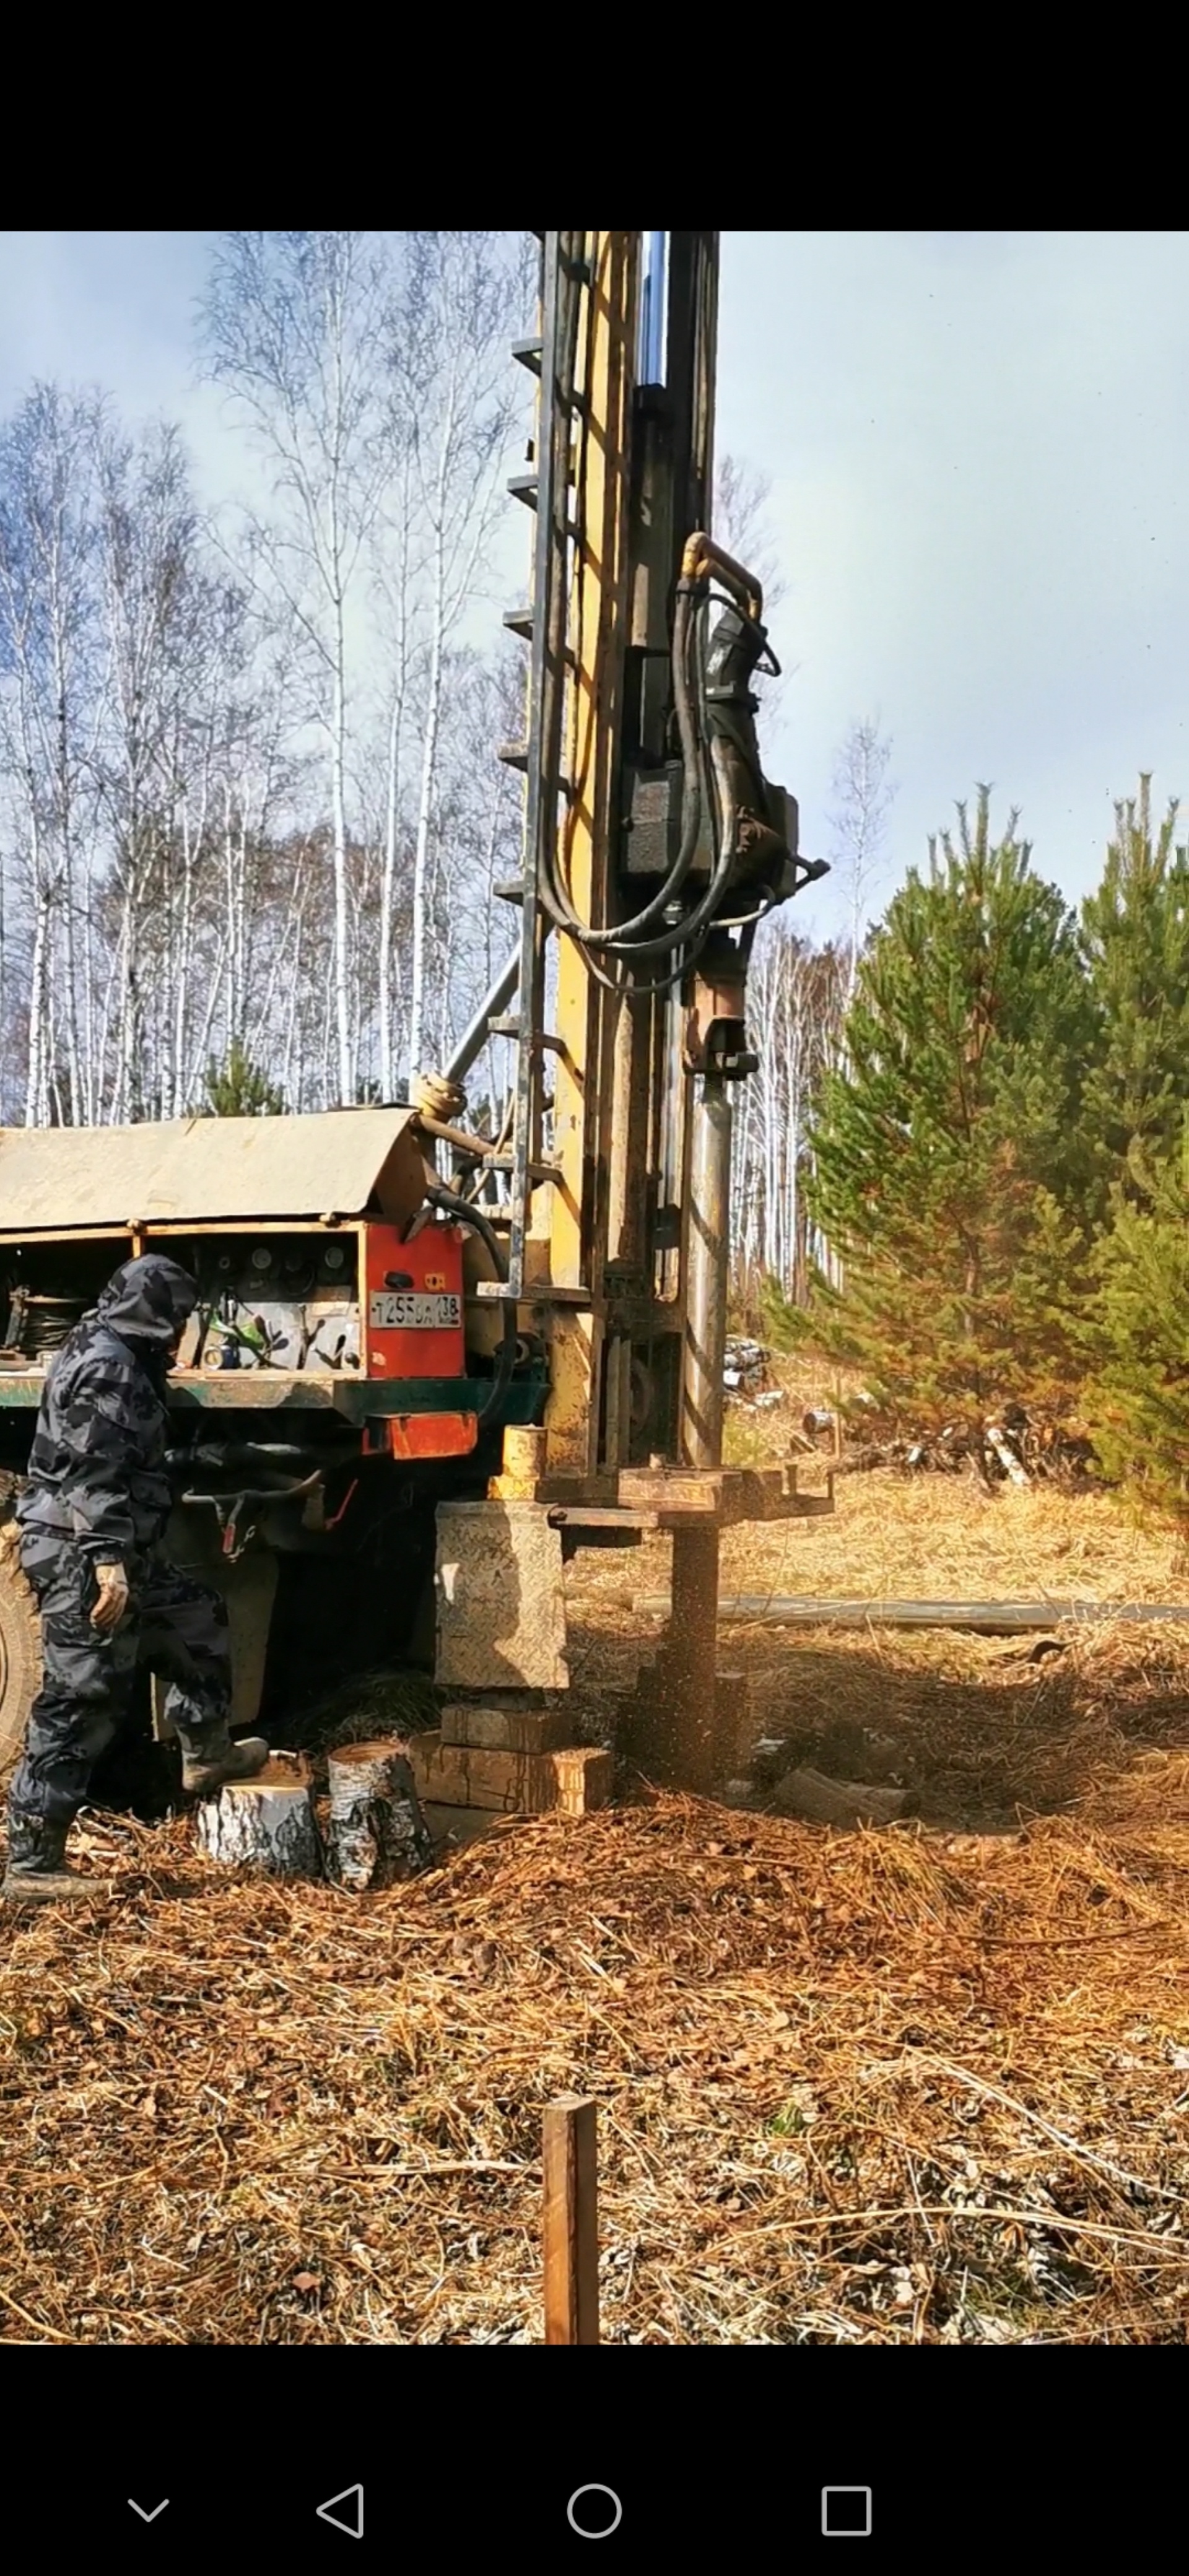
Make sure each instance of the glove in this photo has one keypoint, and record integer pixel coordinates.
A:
(113, 1597)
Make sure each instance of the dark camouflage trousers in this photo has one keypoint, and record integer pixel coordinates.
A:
(175, 1627)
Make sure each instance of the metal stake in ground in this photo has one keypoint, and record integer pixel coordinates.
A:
(571, 2222)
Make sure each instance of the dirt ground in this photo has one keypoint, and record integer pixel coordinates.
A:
(924, 2084)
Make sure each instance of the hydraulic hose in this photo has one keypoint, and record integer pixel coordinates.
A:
(626, 934)
(704, 789)
(465, 1213)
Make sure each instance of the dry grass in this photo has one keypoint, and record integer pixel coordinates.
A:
(915, 2086)
(931, 1536)
(945, 1538)
(984, 1736)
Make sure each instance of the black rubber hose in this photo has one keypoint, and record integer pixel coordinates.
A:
(688, 935)
(464, 1213)
(624, 935)
(702, 915)
(623, 940)
(633, 986)
(684, 940)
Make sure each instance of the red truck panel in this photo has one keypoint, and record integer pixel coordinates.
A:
(412, 1323)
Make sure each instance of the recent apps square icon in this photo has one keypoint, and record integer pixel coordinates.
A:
(846, 2513)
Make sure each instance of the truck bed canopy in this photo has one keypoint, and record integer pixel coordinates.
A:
(194, 1171)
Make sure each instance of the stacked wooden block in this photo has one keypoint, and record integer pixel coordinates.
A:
(509, 1753)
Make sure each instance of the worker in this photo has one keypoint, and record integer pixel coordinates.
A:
(91, 1523)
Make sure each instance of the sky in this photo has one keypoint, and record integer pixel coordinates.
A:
(976, 448)
(980, 496)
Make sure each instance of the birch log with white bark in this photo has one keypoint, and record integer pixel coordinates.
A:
(266, 1823)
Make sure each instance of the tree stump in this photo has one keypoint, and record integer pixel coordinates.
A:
(376, 1832)
(266, 1823)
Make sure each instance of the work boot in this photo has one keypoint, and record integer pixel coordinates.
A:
(36, 1874)
(210, 1759)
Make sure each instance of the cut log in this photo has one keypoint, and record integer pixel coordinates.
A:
(266, 1823)
(376, 1831)
(836, 1802)
(498, 1727)
(571, 1780)
(1007, 1458)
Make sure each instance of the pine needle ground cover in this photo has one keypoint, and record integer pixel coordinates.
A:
(922, 2085)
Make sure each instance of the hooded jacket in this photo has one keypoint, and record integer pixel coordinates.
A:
(97, 1467)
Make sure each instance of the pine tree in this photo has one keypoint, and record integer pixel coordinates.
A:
(1135, 939)
(1135, 935)
(1137, 1403)
(238, 1088)
(952, 1172)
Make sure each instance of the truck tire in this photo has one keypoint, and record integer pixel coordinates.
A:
(20, 1662)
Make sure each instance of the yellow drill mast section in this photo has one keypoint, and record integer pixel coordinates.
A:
(653, 846)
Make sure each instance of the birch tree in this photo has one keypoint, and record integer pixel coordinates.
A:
(457, 394)
(48, 715)
(155, 605)
(399, 565)
(297, 325)
(742, 523)
(795, 1007)
(480, 825)
(863, 798)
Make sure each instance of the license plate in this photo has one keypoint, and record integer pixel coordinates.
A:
(401, 1312)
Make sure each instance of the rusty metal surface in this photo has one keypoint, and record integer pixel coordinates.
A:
(197, 1170)
(430, 1435)
(706, 1275)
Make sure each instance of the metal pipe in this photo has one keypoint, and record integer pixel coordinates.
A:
(691, 1673)
(461, 1138)
(690, 1658)
(702, 558)
(652, 330)
(470, 1046)
(466, 1213)
(627, 1143)
(704, 1353)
